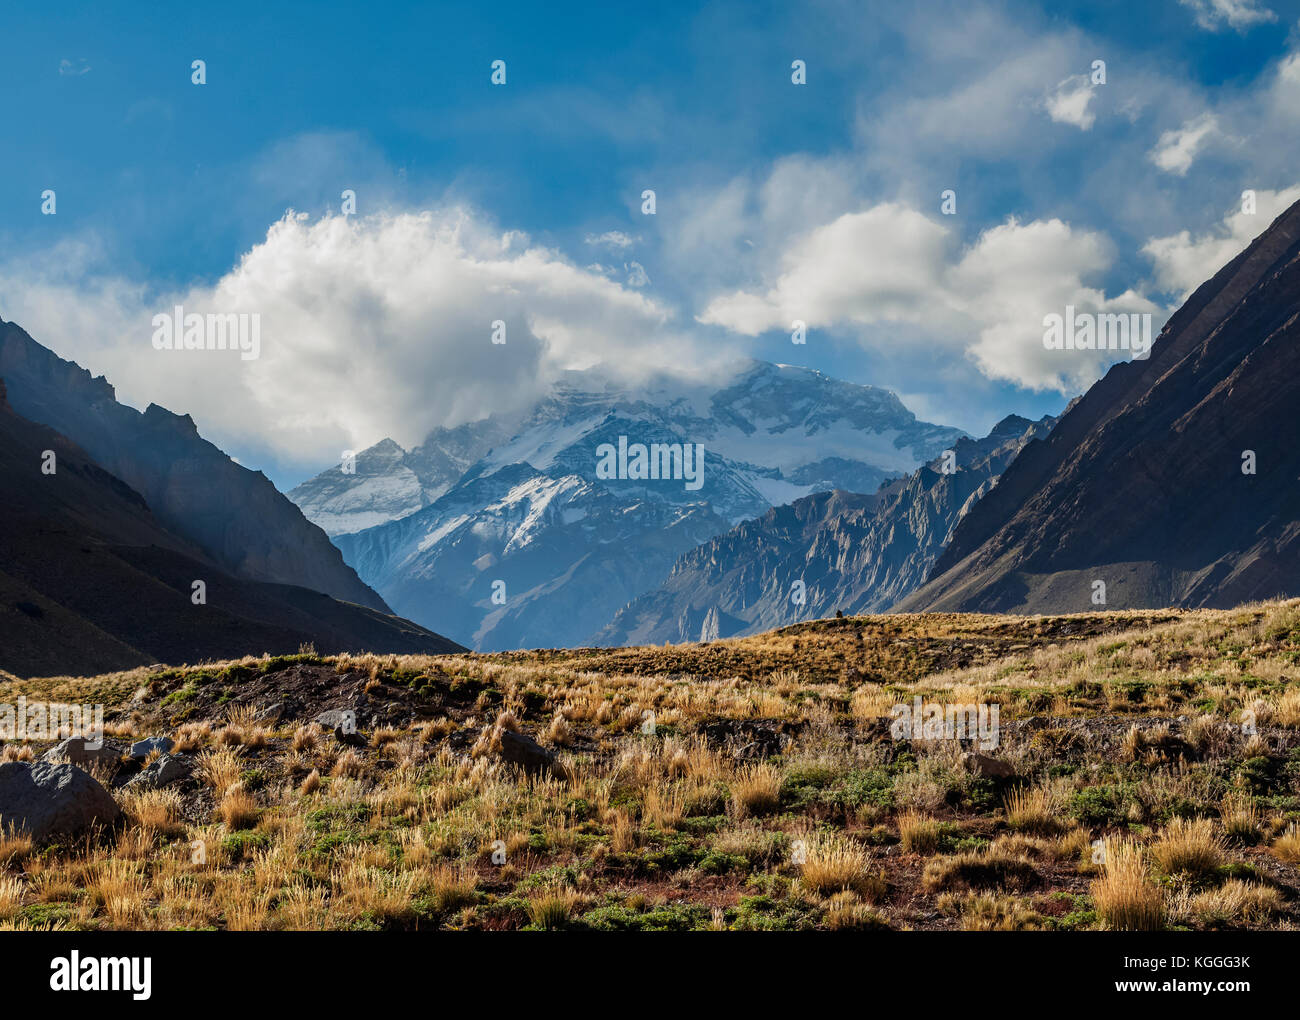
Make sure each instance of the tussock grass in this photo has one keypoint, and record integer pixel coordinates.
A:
(769, 795)
(1188, 848)
(1125, 896)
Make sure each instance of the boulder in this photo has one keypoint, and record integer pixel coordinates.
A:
(141, 748)
(988, 768)
(167, 770)
(47, 799)
(80, 751)
(527, 753)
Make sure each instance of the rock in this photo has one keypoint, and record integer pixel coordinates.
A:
(141, 748)
(353, 739)
(165, 771)
(334, 718)
(47, 799)
(527, 753)
(79, 751)
(988, 768)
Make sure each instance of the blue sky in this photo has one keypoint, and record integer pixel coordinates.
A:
(818, 201)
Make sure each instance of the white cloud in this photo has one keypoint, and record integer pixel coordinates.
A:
(863, 267)
(370, 327)
(1068, 103)
(1183, 262)
(1177, 149)
(890, 264)
(73, 68)
(613, 239)
(1215, 15)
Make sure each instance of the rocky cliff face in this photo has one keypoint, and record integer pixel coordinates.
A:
(234, 515)
(1173, 481)
(829, 551)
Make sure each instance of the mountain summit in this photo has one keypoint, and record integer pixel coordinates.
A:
(537, 544)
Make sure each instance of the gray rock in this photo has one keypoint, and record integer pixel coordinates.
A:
(526, 752)
(141, 748)
(47, 799)
(336, 718)
(165, 771)
(74, 751)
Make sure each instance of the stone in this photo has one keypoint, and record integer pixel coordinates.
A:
(46, 799)
(166, 770)
(79, 751)
(349, 739)
(527, 753)
(335, 718)
(141, 748)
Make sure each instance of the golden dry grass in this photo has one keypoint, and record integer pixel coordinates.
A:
(710, 822)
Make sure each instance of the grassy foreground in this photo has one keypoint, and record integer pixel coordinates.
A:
(1155, 760)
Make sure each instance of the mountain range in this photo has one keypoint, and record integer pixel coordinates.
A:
(828, 552)
(236, 516)
(1171, 482)
(532, 546)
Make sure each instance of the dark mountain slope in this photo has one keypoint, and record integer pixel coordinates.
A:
(236, 516)
(89, 580)
(1141, 484)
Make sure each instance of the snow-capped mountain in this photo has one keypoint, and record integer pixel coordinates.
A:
(385, 482)
(828, 551)
(590, 500)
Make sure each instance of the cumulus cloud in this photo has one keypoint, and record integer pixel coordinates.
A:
(890, 264)
(369, 328)
(1177, 149)
(1216, 15)
(1184, 261)
(1069, 102)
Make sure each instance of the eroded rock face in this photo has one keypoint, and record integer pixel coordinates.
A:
(47, 800)
(1146, 482)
